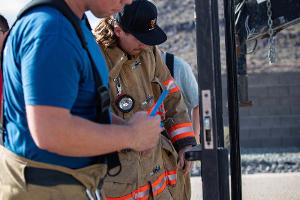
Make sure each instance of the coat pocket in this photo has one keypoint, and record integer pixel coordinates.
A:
(169, 154)
(125, 182)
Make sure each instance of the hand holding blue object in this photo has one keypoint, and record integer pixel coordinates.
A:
(159, 102)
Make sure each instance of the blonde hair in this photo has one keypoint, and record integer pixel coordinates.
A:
(104, 33)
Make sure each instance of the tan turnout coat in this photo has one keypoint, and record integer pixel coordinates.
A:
(151, 175)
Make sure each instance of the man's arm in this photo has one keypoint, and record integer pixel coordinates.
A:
(177, 123)
(196, 123)
(57, 130)
(118, 120)
(188, 83)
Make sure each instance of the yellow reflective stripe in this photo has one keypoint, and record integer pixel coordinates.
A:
(142, 193)
(172, 177)
(180, 131)
(171, 86)
(160, 185)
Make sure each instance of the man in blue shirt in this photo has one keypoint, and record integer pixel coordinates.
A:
(50, 136)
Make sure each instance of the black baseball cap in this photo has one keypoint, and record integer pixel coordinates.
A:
(139, 19)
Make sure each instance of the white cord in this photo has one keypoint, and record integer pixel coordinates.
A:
(89, 194)
(98, 195)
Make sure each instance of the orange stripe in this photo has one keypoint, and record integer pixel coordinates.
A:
(158, 112)
(173, 90)
(177, 126)
(142, 189)
(171, 172)
(173, 182)
(131, 195)
(143, 198)
(183, 135)
(160, 189)
(157, 181)
(167, 82)
(162, 108)
(176, 89)
(147, 187)
(151, 108)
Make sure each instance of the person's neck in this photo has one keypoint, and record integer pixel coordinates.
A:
(77, 6)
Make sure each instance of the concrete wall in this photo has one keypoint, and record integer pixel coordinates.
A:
(274, 118)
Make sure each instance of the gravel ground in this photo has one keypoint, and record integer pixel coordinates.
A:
(270, 161)
(265, 161)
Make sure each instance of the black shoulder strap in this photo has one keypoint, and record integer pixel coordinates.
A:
(102, 97)
(59, 5)
(170, 62)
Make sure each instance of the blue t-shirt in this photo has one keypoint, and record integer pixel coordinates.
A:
(45, 64)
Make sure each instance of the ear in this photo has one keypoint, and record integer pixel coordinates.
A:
(118, 31)
(5, 34)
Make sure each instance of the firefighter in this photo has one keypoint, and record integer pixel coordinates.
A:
(137, 78)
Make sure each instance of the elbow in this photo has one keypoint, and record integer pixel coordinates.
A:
(40, 139)
(42, 145)
(49, 141)
(49, 138)
(46, 125)
(45, 137)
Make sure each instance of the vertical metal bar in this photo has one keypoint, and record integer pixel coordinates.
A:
(223, 169)
(233, 104)
(241, 51)
(217, 72)
(210, 90)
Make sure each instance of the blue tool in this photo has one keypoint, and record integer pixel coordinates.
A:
(159, 102)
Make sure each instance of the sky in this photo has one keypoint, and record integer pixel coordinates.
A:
(10, 8)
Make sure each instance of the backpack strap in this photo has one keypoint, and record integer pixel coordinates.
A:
(170, 62)
(1, 112)
(102, 97)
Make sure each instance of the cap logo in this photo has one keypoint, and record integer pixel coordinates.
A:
(152, 24)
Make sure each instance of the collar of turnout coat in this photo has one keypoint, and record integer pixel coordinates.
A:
(117, 57)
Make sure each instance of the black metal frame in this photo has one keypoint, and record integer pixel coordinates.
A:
(211, 152)
(213, 155)
(233, 101)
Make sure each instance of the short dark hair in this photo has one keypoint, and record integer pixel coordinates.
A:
(3, 24)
